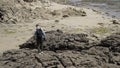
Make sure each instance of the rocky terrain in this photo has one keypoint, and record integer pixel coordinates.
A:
(26, 11)
(76, 37)
(65, 51)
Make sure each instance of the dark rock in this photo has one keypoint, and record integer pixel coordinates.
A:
(56, 20)
(57, 40)
(2, 12)
(83, 13)
(64, 16)
(65, 51)
(115, 22)
(29, 0)
(113, 42)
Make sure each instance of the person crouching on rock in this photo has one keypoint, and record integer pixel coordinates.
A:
(39, 37)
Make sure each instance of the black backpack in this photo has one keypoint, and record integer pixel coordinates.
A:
(39, 33)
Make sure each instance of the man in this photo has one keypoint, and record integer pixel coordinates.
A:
(39, 37)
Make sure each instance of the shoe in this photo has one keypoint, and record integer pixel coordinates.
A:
(41, 52)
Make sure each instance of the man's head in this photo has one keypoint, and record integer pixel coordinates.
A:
(37, 26)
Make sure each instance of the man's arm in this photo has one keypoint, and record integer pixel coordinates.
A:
(43, 33)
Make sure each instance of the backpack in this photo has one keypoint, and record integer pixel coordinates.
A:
(39, 33)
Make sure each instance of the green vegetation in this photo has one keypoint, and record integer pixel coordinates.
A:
(7, 31)
(76, 30)
(61, 1)
(100, 30)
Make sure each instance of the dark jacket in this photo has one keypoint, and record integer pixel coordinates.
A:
(42, 34)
